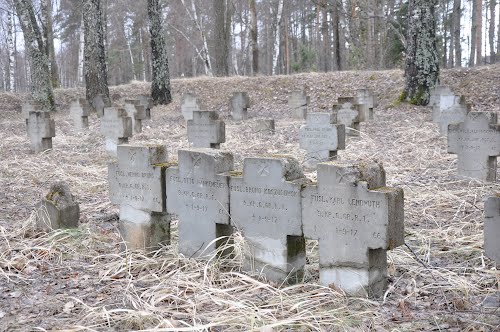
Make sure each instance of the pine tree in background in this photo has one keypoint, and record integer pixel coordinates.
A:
(422, 61)
(160, 85)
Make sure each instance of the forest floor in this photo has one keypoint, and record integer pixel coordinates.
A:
(78, 280)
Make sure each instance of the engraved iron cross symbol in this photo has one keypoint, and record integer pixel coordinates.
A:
(264, 170)
(196, 164)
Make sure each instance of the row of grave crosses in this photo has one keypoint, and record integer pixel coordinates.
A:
(350, 211)
(473, 136)
(118, 123)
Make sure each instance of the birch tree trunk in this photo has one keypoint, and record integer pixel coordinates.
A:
(422, 62)
(143, 58)
(12, 51)
(41, 88)
(276, 38)
(160, 83)
(96, 77)
(253, 37)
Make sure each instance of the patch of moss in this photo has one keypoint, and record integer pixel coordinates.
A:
(403, 96)
(236, 173)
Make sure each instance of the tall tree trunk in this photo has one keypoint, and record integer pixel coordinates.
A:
(336, 39)
(12, 51)
(253, 37)
(96, 77)
(479, 32)
(422, 62)
(457, 13)
(81, 50)
(143, 57)
(445, 35)
(46, 9)
(276, 37)
(491, 31)
(222, 37)
(473, 34)
(160, 85)
(41, 86)
(326, 38)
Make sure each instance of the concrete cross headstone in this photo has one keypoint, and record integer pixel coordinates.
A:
(189, 104)
(367, 103)
(444, 98)
(321, 138)
(348, 114)
(476, 142)
(199, 194)
(116, 127)
(239, 105)
(147, 102)
(41, 128)
(298, 103)
(205, 130)
(355, 218)
(57, 209)
(79, 112)
(99, 103)
(492, 228)
(137, 113)
(456, 113)
(265, 205)
(136, 183)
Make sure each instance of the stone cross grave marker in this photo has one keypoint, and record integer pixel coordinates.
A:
(348, 114)
(476, 142)
(137, 113)
(41, 128)
(58, 209)
(79, 113)
(189, 104)
(199, 194)
(492, 227)
(205, 130)
(321, 138)
(30, 106)
(355, 218)
(136, 183)
(147, 102)
(99, 103)
(116, 127)
(456, 113)
(442, 99)
(298, 102)
(239, 105)
(367, 103)
(265, 205)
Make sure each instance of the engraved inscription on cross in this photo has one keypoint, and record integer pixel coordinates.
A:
(116, 126)
(265, 205)
(198, 193)
(41, 128)
(137, 178)
(321, 138)
(206, 130)
(492, 227)
(356, 219)
(476, 142)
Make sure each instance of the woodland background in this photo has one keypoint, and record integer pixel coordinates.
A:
(263, 37)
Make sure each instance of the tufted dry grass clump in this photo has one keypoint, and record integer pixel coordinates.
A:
(79, 280)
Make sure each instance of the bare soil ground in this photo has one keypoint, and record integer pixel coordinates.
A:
(78, 280)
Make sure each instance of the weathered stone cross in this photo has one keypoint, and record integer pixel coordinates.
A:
(206, 130)
(116, 126)
(356, 218)
(41, 128)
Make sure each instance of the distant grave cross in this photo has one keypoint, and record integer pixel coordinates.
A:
(189, 104)
(321, 138)
(239, 106)
(492, 227)
(41, 128)
(205, 130)
(298, 103)
(199, 194)
(79, 111)
(356, 219)
(476, 142)
(116, 126)
(137, 112)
